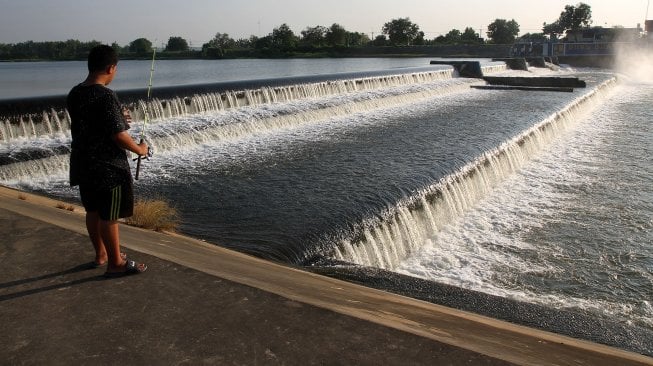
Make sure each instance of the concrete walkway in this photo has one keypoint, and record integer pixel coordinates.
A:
(202, 304)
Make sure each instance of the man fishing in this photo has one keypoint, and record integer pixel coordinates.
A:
(98, 160)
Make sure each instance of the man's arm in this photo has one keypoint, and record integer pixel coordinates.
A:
(125, 141)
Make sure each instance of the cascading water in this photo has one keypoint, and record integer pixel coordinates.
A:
(54, 121)
(211, 102)
(360, 95)
(408, 225)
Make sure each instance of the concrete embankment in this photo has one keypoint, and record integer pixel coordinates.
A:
(555, 84)
(199, 303)
(541, 81)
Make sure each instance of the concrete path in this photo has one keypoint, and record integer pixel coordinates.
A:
(202, 304)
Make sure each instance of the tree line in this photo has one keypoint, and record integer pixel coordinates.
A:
(317, 39)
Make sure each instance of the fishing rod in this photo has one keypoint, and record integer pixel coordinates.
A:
(146, 118)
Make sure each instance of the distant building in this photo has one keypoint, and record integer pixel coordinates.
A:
(600, 34)
(597, 41)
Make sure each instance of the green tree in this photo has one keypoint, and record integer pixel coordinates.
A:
(314, 36)
(221, 41)
(245, 43)
(140, 45)
(177, 44)
(401, 31)
(61, 50)
(283, 38)
(356, 39)
(419, 39)
(336, 36)
(533, 37)
(217, 46)
(250, 42)
(380, 40)
(440, 39)
(502, 31)
(576, 17)
(5, 51)
(454, 36)
(553, 29)
(470, 36)
(71, 49)
(261, 43)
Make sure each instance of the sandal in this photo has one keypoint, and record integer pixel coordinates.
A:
(131, 267)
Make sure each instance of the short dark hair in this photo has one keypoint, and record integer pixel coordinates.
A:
(101, 57)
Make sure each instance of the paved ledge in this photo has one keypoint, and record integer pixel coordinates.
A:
(199, 303)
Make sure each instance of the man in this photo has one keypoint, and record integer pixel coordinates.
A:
(98, 160)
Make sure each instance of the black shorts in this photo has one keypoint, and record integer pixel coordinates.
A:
(111, 204)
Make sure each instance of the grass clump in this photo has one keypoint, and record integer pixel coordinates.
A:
(154, 215)
(63, 206)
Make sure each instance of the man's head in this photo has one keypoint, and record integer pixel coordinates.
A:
(102, 60)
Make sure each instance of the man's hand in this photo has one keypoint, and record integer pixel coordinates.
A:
(125, 141)
(145, 150)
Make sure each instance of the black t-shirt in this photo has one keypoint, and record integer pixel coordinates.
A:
(96, 116)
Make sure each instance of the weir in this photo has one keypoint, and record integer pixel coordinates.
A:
(35, 117)
(219, 101)
(386, 241)
(26, 139)
(382, 242)
(30, 162)
(189, 135)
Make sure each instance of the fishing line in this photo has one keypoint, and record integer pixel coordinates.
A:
(146, 117)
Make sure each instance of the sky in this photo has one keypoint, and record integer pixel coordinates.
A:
(197, 21)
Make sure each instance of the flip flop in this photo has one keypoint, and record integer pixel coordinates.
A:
(123, 256)
(130, 268)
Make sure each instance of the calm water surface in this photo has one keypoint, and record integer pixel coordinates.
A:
(30, 79)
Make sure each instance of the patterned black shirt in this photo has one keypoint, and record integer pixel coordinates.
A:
(95, 159)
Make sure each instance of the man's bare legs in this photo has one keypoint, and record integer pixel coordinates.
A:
(105, 236)
(109, 230)
(93, 228)
(102, 232)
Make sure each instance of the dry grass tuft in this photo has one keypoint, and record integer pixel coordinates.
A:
(63, 206)
(154, 215)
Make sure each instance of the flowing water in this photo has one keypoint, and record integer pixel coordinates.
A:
(37, 79)
(539, 197)
(573, 228)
